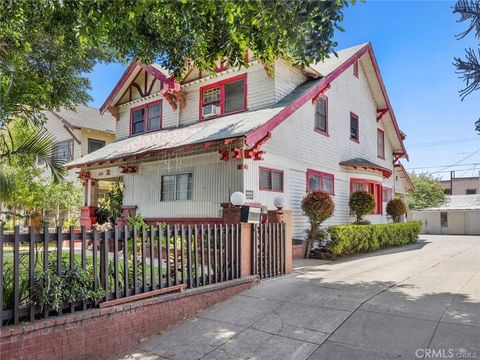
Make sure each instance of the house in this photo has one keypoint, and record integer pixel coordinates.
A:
(458, 215)
(461, 185)
(183, 147)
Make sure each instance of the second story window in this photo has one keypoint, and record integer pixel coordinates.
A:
(380, 144)
(63, 150)
(224, 97)
(321, 115)
(146, 118)
(354, 128)
(94, 145)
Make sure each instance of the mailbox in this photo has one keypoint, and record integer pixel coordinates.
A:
(250, 214)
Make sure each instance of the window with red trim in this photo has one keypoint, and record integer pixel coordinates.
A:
(354, 128)
(355, 69)
(371, 187)
(321, 115)
(380, 144)
(146, 118)
(271, 180)
(387, 194)
(224, 97)
(320, 181)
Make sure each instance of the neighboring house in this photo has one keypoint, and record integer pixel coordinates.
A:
(461, 185)
(184, 147)
(458, 215)
(80, 132)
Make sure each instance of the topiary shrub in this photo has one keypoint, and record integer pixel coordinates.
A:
(361, 203)
(396, 208)
(318, 206)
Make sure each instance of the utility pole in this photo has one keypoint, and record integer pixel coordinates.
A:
(452, 176)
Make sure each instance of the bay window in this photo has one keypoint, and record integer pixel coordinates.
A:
(320, 181)
(371, 187)
(224, 97)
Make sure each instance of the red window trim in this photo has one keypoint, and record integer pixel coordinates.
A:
(355, 116)
(383, 142)
(386, 188)
(355, 69)
(260, 168)
(324, 97)
(378, 188)
(221, 84)
(321, 174)
(145, 117)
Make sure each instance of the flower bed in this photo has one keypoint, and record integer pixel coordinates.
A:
(353, 239)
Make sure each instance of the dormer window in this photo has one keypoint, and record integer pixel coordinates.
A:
(225, 97)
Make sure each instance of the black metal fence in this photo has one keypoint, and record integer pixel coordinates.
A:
(268, 250)
(51, 273)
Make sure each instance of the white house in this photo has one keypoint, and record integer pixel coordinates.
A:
(184, 147)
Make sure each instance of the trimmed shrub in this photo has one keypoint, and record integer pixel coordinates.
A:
(361, 203)
(318, 206)
(396, 208)
(353, 239)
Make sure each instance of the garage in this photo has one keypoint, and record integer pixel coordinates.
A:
(458, 215)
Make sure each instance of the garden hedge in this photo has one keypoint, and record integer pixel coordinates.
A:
(353, 239)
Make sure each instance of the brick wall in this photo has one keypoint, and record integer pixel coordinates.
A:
(101, 333)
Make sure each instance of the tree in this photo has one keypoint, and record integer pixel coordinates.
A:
(318, 206)
(469, 68)
(396, 208)
(361, 203)
(428, 192)
(60, 202)
(47, 47)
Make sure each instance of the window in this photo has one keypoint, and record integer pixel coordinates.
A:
(177, 187)
(444, 219)
(471, 191)
(387, 194)
(224, 97)
(94, 145)
(63, 151)
(271, 180)
(372, 187)
(354, 131)
(380, 144)
(320, 181)
(146, 118)
(321, 115)
(355, 69)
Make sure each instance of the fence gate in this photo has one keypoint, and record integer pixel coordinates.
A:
(268, 250)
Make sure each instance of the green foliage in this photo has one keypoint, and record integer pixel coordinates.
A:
(396, 208)
(318, 206)
(353, 239)
(361, 203)
(110, 207)
(60, 201)
(74, 284)
(428, 192)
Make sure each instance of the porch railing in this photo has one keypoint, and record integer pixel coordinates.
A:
(115, 264)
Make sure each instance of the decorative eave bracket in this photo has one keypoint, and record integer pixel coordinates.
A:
(320, 94)
(381, 113)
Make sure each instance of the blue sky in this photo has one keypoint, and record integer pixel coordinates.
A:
(415, 44)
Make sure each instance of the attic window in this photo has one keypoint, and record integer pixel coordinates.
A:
(224, 97)
(146, 118)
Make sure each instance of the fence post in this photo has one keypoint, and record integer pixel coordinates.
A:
(246, 249)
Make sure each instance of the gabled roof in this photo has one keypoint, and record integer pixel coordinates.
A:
(85, 117)
(406, 176)
(366, 164)
(252, 125)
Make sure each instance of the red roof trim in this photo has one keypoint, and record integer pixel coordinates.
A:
(407, 176)
(268, 126)
(386, 173)
(130, 69)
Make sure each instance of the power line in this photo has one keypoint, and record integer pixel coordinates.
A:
(439, 166)
(443, 142)
(459, 161)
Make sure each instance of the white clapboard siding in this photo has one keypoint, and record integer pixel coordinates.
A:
(287, 78)
(213, 183)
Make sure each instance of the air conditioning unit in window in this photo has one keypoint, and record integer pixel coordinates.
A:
(210, 110)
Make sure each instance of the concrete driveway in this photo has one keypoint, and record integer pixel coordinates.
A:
(419, 301)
